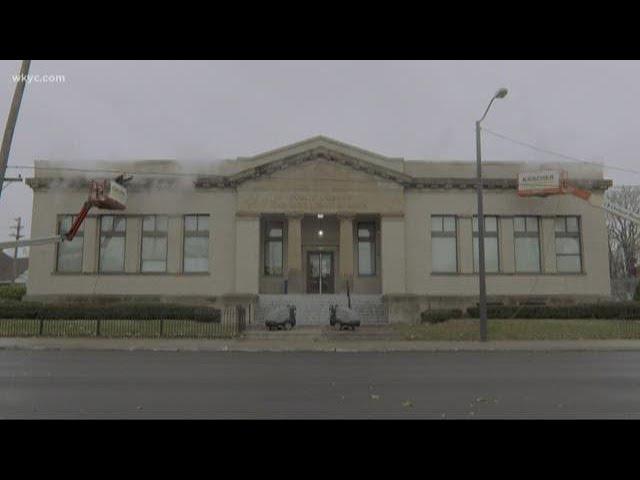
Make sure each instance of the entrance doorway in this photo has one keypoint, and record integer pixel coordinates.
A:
(320, 274)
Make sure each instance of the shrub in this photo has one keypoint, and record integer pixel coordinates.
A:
(608, 310)
(12, 292)
(123, 311)
(439, 315)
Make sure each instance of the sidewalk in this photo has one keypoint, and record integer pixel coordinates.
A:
(305, 345)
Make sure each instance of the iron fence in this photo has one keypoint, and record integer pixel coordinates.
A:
(126, 328)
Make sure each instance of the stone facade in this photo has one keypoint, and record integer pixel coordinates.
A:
(334, 204)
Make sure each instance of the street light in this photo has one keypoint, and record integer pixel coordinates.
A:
(481, 264)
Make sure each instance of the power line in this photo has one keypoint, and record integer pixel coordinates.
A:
(557, 154)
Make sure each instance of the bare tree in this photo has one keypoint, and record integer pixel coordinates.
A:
(624, 240)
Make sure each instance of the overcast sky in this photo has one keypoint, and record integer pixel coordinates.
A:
(208, 110)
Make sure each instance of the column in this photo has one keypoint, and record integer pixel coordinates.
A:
(247, 254)
(393, 255)
(346, 253)
(294, 254)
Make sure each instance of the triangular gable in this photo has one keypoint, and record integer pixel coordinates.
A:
(320, 148)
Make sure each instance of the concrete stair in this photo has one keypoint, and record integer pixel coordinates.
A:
(314, 309)
(311, 333)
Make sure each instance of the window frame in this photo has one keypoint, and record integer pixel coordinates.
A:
(567, 234)
(79, 234)
(268, 224)
(475, 233)
(196, 233)
(445, 234)
(371, 226)
(154, 234)
(113, 233)
(527, 234)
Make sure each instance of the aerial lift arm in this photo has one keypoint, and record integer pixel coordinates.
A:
(105, 194)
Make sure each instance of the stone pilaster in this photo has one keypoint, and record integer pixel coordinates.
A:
(294, 254)
(346, 253)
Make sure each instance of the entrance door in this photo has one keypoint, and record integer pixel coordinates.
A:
(320, 272)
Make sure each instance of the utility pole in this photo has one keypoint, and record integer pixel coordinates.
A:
(12, 119)
(17, 236)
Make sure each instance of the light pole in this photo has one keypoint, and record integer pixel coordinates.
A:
(481, 264)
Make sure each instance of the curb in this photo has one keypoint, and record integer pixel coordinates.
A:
(290, 346)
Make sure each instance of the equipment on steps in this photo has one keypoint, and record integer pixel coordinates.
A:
(342, 322)
(283, 322)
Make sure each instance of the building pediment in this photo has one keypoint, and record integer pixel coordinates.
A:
(325, 150)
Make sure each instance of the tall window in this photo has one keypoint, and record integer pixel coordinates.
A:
(274, 232)
(366, 249)
(491, 257)
(568, 256)
(154, 243)
(196, 243)
(526, 234)
(444, 250)
(112, 236)
(69, 255)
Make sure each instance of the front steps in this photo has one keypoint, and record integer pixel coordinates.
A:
(314, 309)
(315, 333)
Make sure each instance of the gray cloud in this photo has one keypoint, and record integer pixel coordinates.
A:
(203, 111)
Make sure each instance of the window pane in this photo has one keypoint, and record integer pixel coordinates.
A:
(273, 258)
(527, 254)
(196, 254)
(560, 224)
(568, 263)
(518, 224)
(572, 224)
(449, 224)
(154, 248)
(149, 223)
(532, 224)
(365, 258)
(161, 223)
(443, 254)
(111, 254)
(274, 231)
(491, 262)
(364, 233)
(106, 224)
(196, 264)
(436, 223)
(490, 224)
(70, 255)
(190, 223)
(567, 245)
(119, 224)
(203, 223)
(65, 223)
(154, 266)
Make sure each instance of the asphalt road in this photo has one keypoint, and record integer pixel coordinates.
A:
(101, 384)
